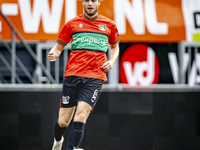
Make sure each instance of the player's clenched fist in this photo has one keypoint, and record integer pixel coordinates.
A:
(51, 57)
(107, 66)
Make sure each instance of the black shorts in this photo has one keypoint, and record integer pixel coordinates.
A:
(80, 89)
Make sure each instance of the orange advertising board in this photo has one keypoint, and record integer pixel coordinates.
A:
(137, 20)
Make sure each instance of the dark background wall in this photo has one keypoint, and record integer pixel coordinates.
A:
(126, 120)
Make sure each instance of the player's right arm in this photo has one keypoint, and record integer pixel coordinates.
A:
(55, 52)
(64, 37)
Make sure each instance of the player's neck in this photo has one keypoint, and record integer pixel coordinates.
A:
(91, 17)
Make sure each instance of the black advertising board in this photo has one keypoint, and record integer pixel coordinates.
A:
(148, 63)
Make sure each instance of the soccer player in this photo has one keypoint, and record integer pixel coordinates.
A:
(89, 35)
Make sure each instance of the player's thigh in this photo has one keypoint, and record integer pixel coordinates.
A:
(65, 116)
(82, 111)
(90, 91)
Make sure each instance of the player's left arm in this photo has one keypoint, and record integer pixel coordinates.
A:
(114, 53)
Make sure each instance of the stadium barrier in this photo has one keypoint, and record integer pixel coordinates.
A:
(160, 117)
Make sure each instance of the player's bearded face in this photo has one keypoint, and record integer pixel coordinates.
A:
(91, 7)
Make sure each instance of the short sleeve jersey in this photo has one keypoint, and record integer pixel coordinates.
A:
(89, 40)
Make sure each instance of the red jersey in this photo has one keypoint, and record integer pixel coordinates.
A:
(89, 40)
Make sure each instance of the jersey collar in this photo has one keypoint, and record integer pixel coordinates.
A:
(90, 19)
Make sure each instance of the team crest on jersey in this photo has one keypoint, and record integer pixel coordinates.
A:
(65, 99)
(102, 27)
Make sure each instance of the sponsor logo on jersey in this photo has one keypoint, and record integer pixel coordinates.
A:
(65, 99)
(94, 97)
(91, 40)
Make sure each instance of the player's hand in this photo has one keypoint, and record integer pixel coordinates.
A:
(107, 66)
(51, 57)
